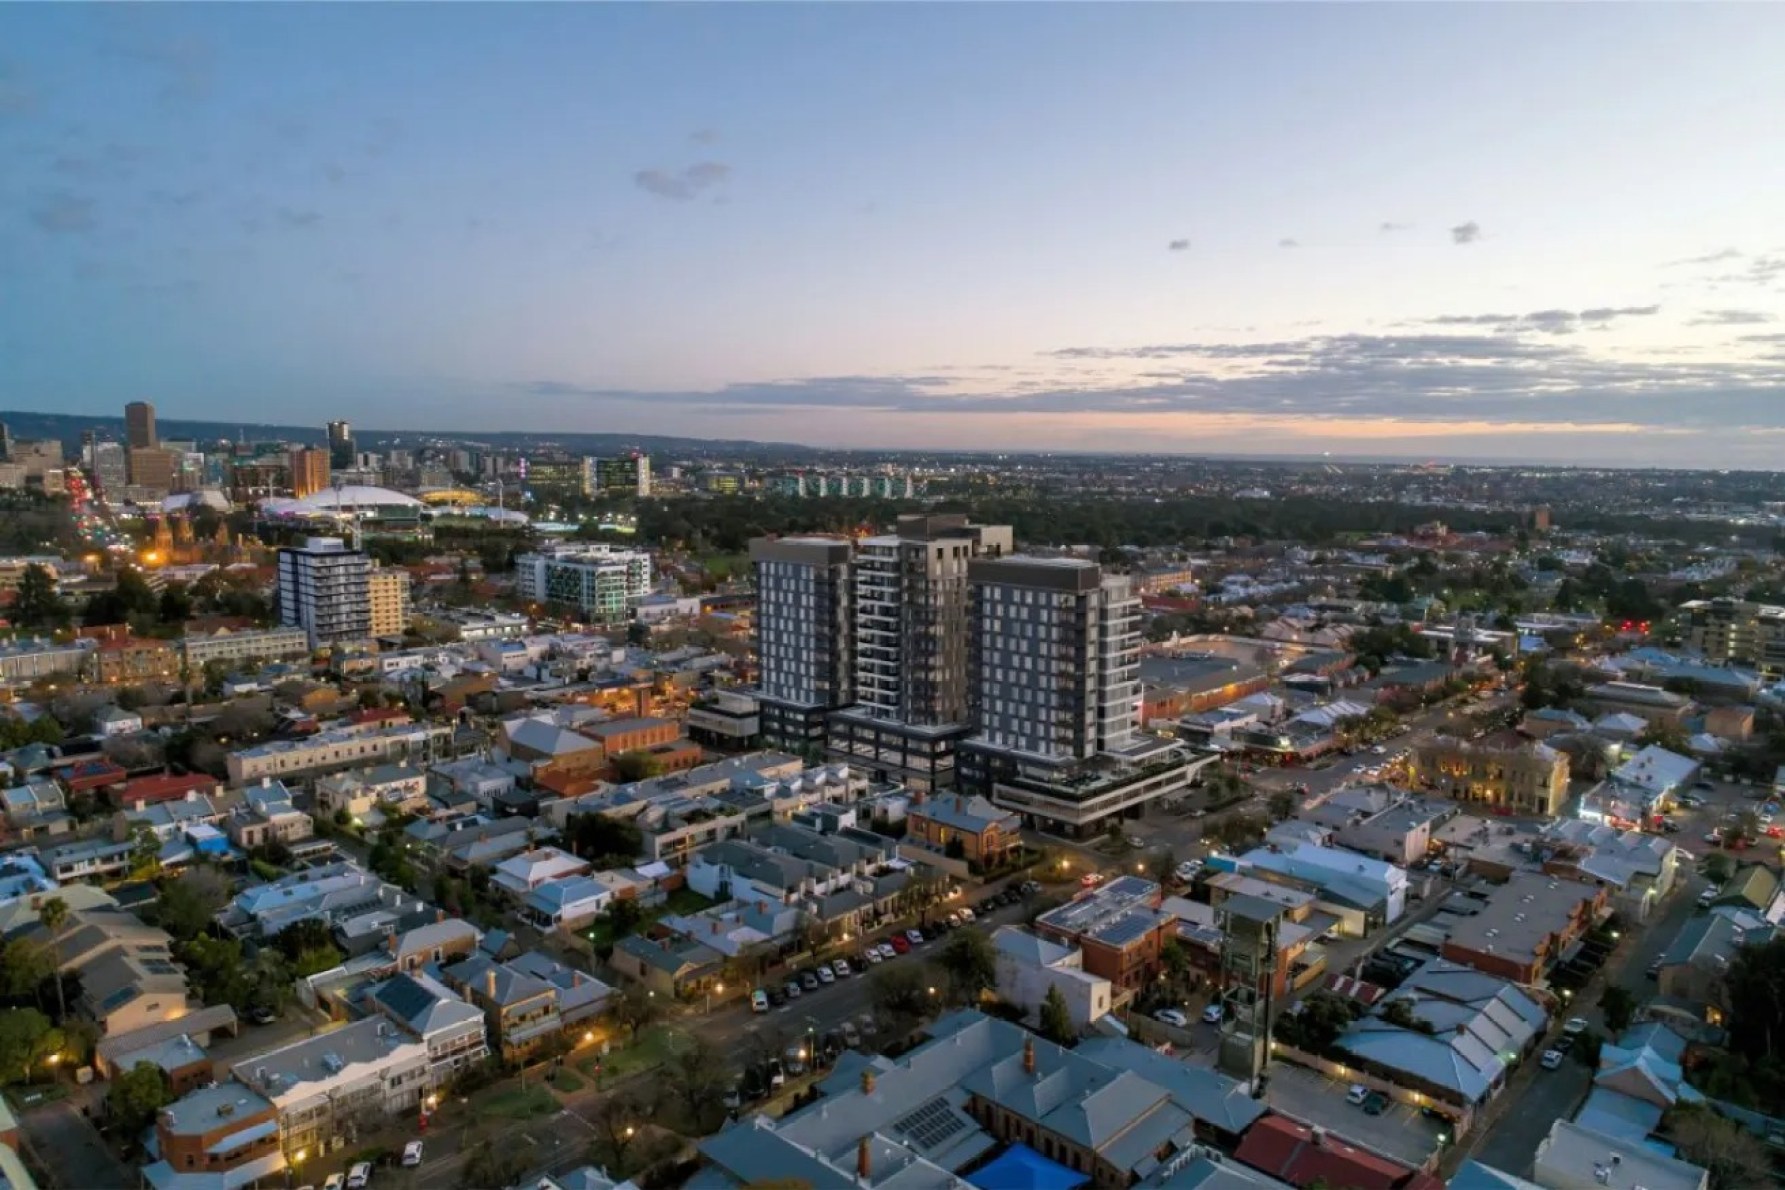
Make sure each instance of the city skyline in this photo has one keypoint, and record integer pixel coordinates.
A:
(1541, 233)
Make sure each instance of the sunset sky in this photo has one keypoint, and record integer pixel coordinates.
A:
(1502, 231)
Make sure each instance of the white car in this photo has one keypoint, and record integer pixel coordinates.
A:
(1575, 1027)
(1551, 1059)
(966, 913)
(886, 951)
(873, 955)
(1173, 1017)
(1212, 1014)
(1357, 1094)
(360, 1176)
(412, 1154)
(334, 1182)
(826, 975)
(842, 968)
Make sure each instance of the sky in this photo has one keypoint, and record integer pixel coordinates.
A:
(1520, 232)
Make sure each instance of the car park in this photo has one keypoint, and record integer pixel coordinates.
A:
(412, 1154)
(1173, 1017)
(1551, 1059)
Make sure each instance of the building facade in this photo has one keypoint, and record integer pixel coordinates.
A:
(139, 425)
(324, 589)
(1514, 776)
(600, 581)
(804, 630)
(387, 592)
(309, 467)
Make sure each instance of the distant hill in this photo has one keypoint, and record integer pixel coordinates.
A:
(70, 426)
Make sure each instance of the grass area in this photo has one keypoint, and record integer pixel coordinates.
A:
(686, 900)
(520, 1103)
(567, 1081)
(653, 1048)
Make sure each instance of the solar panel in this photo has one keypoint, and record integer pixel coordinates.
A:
(932, 1125)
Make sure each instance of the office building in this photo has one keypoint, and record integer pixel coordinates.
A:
(324, 589)
(803, 634)
(139, 426)
(109, 465)
(388, 593)
(1053, 688)
(560, 477)
(1736, 631)
(309, 471)
(910, 620)
(627, 475)
(152, 468)
(340, 445)
(1507, 773)
(599, 581)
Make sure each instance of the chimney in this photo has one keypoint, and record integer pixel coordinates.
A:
(489, 982)
(1028, 1055)
(439, 916)
(868, 1080)
(576, 979)
(390, 940)
(864, 1160)
(960, 803)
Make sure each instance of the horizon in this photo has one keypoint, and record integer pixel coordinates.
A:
(1486, 235)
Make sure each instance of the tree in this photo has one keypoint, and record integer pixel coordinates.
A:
(1161, 864)
(27, 1037)
(635, 1009)
(37, 604)
(619, 1119)
(1175, 962)
(1718, 868)
(900, 993)
(134, 1097)
(698, 1078)
(1282, 805)
(25, 966)
(1056, 1019)
(638, 634)
(491, 1164)
(216, 970)
(54, 915)
(970, 961)
(1619, 1007)
(191, 900)
(605, 841)
(635, 766)
(1755, 988)
(623, 916)
(308, 946)
(1735, 1158)
(145, 853)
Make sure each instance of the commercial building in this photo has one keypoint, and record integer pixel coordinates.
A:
(24, 661)
(340, 446)
(600, 581)
(153, 469)
(309, 467)
(1504, 772)
(387, 592)
(559, 476)
(324, 588)
(804, 632)
(1029, 967)
(1353, 884)
(1736, 631)
(1525, 926)
(627, 475)
(341, 748)
(268, 645)
(1654, 705)
(139, 425)
(1640, 788)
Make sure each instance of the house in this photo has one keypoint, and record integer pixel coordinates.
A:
(1119, 929)
(442, 940)
(1690, 977)
(1639, 1079)
(346, 1082)
(581, 997)
(1525, 926)
(669, 966)
(519, 875)
(1400, 835)
(1639, 788)
(115, 721)
(428, 1011)
(183, 1060)
(969, 828)
(216, 1137)
(567, 904)
(395, 787)
(1029, 967)
(128, 978)
(1306, 1157)
(520, 1010)
(1572, 1156)
(1638, 868)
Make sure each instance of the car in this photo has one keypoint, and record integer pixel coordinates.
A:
(1378, 750)
(1701, 783)
(1173, 1017)
(412, 1154)
(260, 1014)
(966, 914)
(734, 1095)
(334, 1181)
(809, 981)
(901, 944)
(1090, 880)
(872, 955)
(777, 1075)
(1671, 828)
(360, 1176)
(777, 997)
(1653, 970)
(915, 937)
(851, 1035)
(1375, 1104)
(1575, 1026)
(1357, 1094)
(1707, 898)
(793, 990)
(1212, 1014)
(954, 918)
(794, 1060)
(826, 975)
(887, 950)
(868, 1025)
(759, 1001)
(1712, 837)
(842, 969)
(1551, 1059)
(1031, 887)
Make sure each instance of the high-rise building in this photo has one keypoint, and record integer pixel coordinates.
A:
(909, 648)
(139, 425)
(5, 443)
(340, 445)
(388, 590)
(152, 468)
(560, 477)
(110, 467)
(803, 634)
(1736, 632)
(628, 475)
(325, 589)
(309, 471)
(601, 581)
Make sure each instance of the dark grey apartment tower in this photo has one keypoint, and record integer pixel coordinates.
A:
(803, 636)
(1249, 950)
(340, 446)
(139, 426)
(911, 628)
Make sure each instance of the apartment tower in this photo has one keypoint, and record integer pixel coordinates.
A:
(325, 589)
(803, 635)
(340, 445)
(309, 471)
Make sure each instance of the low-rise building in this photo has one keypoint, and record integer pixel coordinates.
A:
(429, 1011)
(1652, 704)
(1348, 880)
(269, 816)
(1525, 926)
(1639, 868)
(1505, 772)
(969, 828)
(344, 1083)
(1029, 967)
(1575, 1158)
(1119, 928)
(673, 966)
(215, 1138)
(520, 1010)
(341, 748)
(567, 904)
(272, 644)
(1640, 788)
(519, 875)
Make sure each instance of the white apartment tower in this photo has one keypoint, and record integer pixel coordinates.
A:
(324, 589)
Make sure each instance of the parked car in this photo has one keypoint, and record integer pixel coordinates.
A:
(1212, 1014)
(1375, 1104)
(871, 955)
(334, 1181)
(1090, 880)
(260, 1014)
(1357, 1094)
(954, 917)
(901, 944)
(826, 975)
(777, 997)
(1551, 1059)
(915, 937)
(841, 968)
(794, 1060)
(793, 990)
(360, 1176)
(759, 1001)
(809, 981)
(868, 1025)
(966, 914)
(851, 1035)
(887, 950)
(1575, 1026)
(412, 1154)
(1173, 1017)
(1653, 971)
(777, 1075)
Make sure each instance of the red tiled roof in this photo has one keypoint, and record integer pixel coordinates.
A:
(90, 774)
(164, 787)
(378, 715)
(1287, 1150)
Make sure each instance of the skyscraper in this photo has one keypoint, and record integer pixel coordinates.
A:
(325, 589)
(340, 445)
(309, 471)
(910, 629)
(139, 426)
(803, 634)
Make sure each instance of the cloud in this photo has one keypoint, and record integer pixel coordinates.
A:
(64, 214)
(1731, 318)
(1288, 243)
(299, 219)
(1178, 246)
(1387, 228)
(1549, 322)
(704, 136)
(334, 173)
(685, 184)
(186, 64)
(1716, 257)
(1465, 233)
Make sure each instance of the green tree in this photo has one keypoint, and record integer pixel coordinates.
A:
(619, 1120)
(635, 1008)
(134, 1097)
(54, 916)
(1282, 805)
(1718, 868)
(697, 1078)
(1619, 1007)
(145, 853)
(970, 962)
(1056, 1019)
(605, 841)
(27, 1037)
(38, 605)
(25, 966)
(635, 766)
(623, 916)
(488, 1163)
(900, 994)
(1735, 1158)
(216, 969)
(1176, 964)
(190, 901)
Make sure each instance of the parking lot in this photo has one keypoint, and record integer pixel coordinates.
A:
(1401, 1132)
